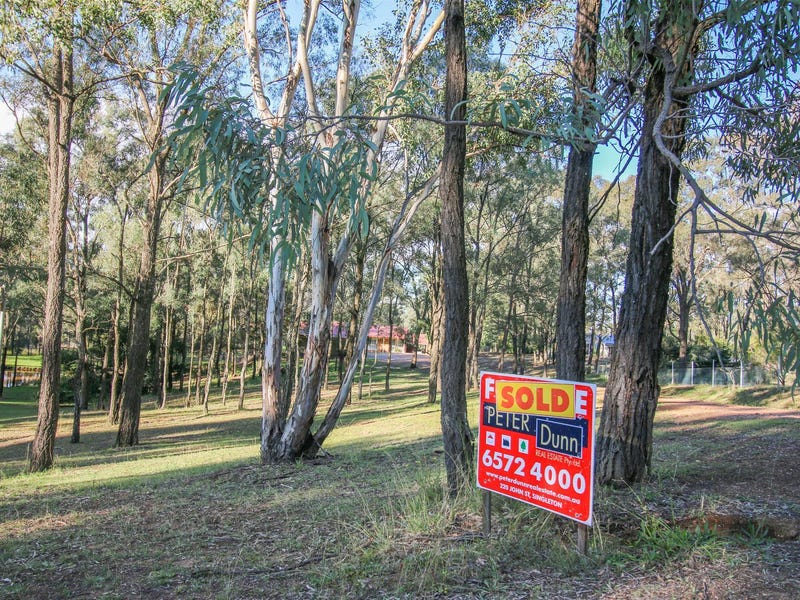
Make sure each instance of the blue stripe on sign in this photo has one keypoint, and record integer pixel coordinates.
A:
(560, 437)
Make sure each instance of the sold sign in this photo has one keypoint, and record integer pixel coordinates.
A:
(535, 442)
(537, 398)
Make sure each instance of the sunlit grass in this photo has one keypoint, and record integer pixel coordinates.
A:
(23, 360)
(191, 513)
(181, 438)
(758, 395)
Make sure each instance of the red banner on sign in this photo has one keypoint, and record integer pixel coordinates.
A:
(536, 442)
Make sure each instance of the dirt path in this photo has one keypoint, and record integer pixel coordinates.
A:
(733, 470)
(683, 410)
(734, 451)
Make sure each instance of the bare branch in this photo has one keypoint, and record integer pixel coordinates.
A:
(690, 90)
(350, 10)
(254, 58)
(303, 37)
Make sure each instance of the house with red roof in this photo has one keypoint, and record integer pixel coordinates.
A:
(378, 338)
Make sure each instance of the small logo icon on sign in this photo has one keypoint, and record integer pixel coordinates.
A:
(505, 442)
(523, 446)
(490, 441)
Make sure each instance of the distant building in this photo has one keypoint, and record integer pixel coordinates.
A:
(402, 339)
(606, 344)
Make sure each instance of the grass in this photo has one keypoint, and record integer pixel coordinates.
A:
(23, 360)
(769, 396)
(659, 541)
(18, 403)
(190, 513)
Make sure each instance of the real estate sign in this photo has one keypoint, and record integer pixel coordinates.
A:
(536, 442)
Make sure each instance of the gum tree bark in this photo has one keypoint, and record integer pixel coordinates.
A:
(404, 218)
(82, 256)
(625, 436)
(146, 71)
(287, 436)
(114, 394)
(456, 434)
(437, 319)
(59, 137)
(273, 404)
(571, 307)
(682, 285)
(139, 333)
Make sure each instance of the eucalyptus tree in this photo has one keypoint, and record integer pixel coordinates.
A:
(729, 280)
(102, 182)
(236, 266)
(317, 176)
(172, 298)
(571, 306)
(420, 259)
(712, 67)
(608, 234)
(140, 45)
(512, 193)
(21, 198)
(481, 245)
(115, 180)
(456, 433)
(777, 319)
(420, 27)
(83, 246)
(42, 42)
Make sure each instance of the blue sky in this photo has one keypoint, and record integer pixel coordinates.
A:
(6, 119)
(606, 162)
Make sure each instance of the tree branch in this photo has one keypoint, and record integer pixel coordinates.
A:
(254, 59)
(690, 90)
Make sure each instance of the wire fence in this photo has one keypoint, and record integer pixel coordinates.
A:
(739, 375)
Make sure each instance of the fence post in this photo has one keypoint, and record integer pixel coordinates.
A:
(673, 372)
(741, 374)
(713, 372)
(692, 376)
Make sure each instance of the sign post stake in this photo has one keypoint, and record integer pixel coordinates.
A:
(487, 513)
(583, 539)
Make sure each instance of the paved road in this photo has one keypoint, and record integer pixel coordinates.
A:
(401, 359)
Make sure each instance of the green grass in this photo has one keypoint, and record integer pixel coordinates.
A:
(18, 403)
(190, 513)
(763, 395)
(23, 360)
(659, 541)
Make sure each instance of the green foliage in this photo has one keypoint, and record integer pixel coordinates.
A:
(740, 315)
(759, 128)
(265, 179)
(22, 196)
(701, 351)
(755, 533)
(777, 322)
(659, 541)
